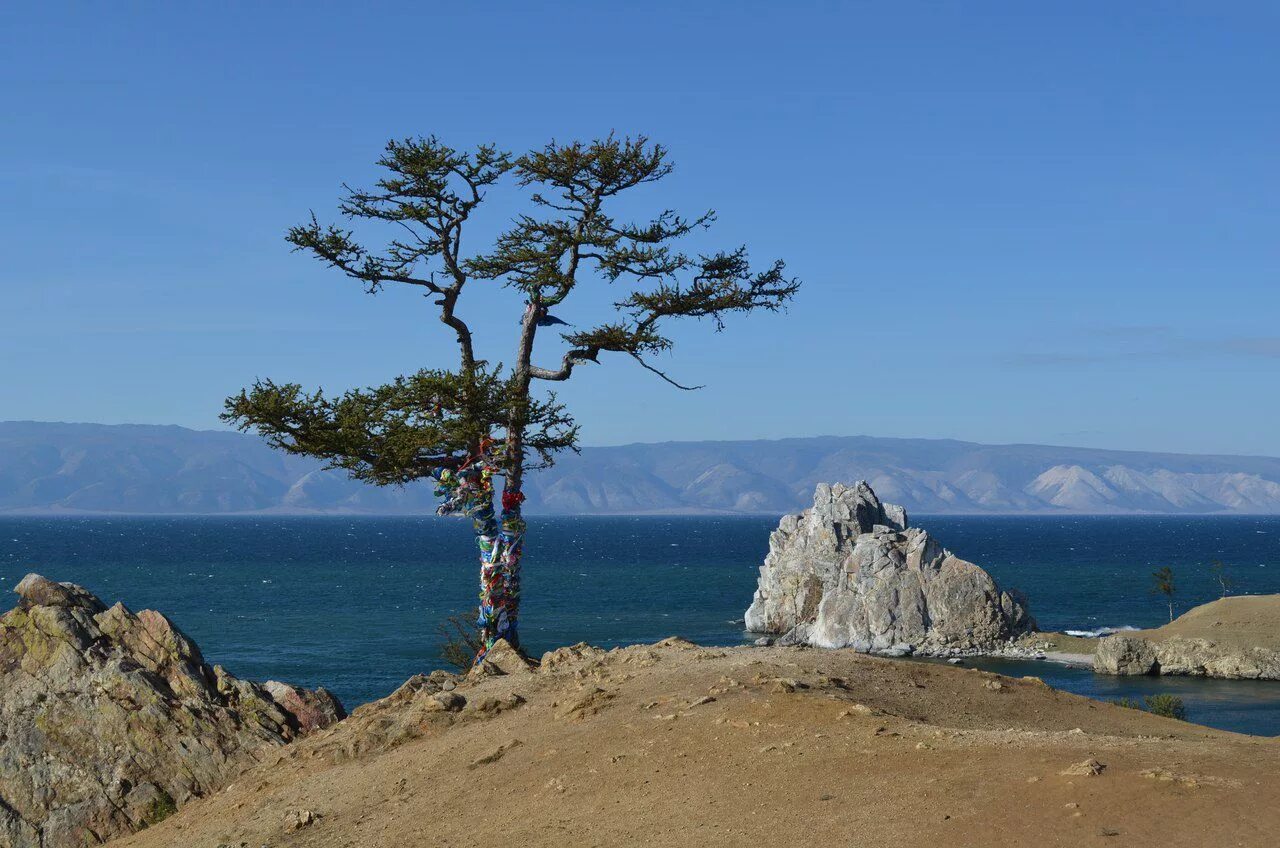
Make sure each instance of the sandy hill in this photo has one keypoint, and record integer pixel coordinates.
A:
(1251, 621)
(673, 744)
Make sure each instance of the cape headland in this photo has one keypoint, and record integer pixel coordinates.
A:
(1233, 637)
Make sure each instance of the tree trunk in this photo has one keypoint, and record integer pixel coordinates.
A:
(469, 491)
(501, 543)
(500, 552)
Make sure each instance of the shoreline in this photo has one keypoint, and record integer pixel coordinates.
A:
(1066, 658)
(1080, 651)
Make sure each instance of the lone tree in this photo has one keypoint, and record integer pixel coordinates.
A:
(1223, 577)
(1162, 584)
(468, 426)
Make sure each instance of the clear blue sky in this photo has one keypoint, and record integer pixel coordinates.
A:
(1039, 222)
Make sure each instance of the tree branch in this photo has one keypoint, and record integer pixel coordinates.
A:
(663, 375)
(567, 364)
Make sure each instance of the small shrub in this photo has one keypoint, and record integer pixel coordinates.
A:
(459, 639)
(1169, 706)
(161, 807)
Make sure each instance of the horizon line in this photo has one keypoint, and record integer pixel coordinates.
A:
(935, 439)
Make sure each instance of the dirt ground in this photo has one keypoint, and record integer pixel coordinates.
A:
(673, 744)
(1250, 621)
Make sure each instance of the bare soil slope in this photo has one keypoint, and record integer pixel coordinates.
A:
(673, 744)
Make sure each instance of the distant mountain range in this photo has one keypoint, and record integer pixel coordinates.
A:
(96, 468)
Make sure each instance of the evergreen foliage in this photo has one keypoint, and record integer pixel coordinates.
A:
(437, 418)
(464, 426)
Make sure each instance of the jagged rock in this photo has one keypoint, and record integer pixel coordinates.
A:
(312, 709)
(501, 659)
(41, 591)
(110, 720)
(1120, 654)
(1087, 768)
(449, 702)
(572, 655)
(849, 572)
(298, 819)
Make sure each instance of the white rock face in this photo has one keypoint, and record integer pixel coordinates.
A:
(848, 572)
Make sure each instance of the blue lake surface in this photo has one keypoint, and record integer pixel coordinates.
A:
(353, 603)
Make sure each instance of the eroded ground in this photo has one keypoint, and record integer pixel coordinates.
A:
(674, 744)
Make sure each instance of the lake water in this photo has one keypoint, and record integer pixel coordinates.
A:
(353, 603)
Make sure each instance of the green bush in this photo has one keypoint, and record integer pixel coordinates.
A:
(1169, 706)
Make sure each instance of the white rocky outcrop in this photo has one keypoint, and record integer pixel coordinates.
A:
(849, 572)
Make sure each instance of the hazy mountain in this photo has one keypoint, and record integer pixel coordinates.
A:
(48, 467)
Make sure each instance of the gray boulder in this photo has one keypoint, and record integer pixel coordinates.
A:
(1127, 655)
(849, 572)
(110, 720)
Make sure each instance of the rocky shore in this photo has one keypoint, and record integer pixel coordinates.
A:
(850, 572)
(1233, 638)
(111, 720)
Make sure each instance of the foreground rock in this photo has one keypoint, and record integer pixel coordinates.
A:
(1236, 638)
(672, 745)
(110, 720)
(849, 572)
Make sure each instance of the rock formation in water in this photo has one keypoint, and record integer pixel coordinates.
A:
(849, 572)
(1237, 637)
(110, 720)
(1129, 655)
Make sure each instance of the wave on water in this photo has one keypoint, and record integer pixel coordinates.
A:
(1099, 632)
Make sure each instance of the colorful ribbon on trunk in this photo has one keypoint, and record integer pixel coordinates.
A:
(469, 491)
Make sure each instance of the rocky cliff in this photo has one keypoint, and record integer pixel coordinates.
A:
(109, 719)
(849, 572)
(1235, 637)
